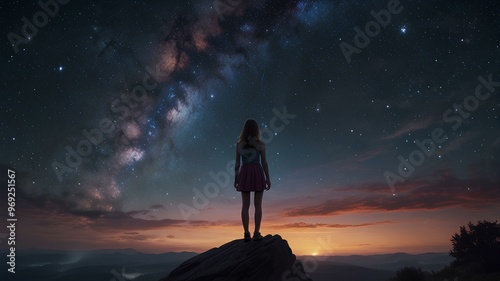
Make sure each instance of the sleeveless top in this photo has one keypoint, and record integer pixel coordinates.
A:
(250, 155)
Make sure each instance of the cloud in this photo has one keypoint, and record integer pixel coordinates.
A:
(326, 225)
(382, 188)
(458, 141)
(369, 154)
(138, 237)
(358, 163)
(157, 206)
(52, 211)
(55, 213)
(409, 127)
(444, 192)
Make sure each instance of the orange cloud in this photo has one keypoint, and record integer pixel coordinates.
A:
(336, 225)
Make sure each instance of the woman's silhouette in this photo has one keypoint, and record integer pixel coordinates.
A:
(253, 175)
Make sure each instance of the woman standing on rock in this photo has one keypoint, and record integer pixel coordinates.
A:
(253, 175)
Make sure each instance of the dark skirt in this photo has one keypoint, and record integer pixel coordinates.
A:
(251, 178)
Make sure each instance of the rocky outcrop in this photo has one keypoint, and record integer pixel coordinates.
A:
(270, 259)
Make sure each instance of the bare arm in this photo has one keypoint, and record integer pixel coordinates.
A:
(263, 159)
(236, 166)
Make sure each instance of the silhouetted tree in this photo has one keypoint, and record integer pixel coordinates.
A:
(410, 273)
(480, 245)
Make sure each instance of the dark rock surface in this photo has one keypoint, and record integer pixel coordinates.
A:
(268, 260)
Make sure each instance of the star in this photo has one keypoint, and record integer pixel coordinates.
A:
(403, 29)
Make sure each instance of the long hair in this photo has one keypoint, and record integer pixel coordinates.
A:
(250, 131)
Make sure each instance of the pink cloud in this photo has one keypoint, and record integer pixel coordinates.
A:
(336, 225)
(445, 192)
(410, 127)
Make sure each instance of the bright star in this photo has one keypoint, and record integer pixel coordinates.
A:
(403, 29)
(61, 68)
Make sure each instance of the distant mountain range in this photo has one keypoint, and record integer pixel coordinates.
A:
(392, 262)
(371, 268)
(129, 264)
(105, 265)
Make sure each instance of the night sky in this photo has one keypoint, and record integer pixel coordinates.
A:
(120, 119)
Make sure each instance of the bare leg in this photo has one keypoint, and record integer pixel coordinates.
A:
(258, 209)
(245, 197)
